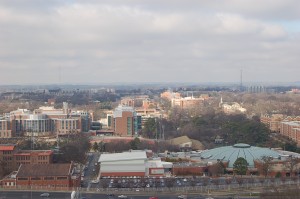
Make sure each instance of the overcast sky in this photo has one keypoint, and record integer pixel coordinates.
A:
(108, 41)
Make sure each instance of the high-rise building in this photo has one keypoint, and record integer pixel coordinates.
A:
(124, 121)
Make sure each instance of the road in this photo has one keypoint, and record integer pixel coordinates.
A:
(67, 195)
(91, 172)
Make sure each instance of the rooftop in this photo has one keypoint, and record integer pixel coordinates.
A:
(135, 155)
(231, 153)
(37, 170)
(7, 147)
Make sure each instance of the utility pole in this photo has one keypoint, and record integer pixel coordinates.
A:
(156, 129)
(163, 132)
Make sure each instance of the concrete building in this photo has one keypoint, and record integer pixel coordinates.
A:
(133, 163)
(156, 167)
(170, 95)
(45, 121)
(6, 128)
(187, 102)
(231, 108)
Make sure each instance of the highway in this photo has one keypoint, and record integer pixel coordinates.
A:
(67, 195)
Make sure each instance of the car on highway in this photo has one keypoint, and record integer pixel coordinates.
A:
(45, 195)
(122, 196)
(95, 181)
(182, 197)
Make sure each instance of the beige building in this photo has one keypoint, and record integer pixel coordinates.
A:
(272, 121)
(44, 121)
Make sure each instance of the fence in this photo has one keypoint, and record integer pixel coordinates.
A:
(258, 183)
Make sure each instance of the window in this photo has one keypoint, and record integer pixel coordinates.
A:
(35, 178)
(48, 178)
(22, 178)
(129, 125)
(61, 178)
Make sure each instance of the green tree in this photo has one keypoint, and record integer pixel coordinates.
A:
(240, 166)
(134, 144)
(149, 129)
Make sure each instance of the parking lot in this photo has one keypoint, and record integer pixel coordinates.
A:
(148, 182)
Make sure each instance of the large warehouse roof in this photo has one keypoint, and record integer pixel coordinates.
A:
(134, 155)
(231, 153)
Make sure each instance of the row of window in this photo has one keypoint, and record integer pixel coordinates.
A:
(9, 158)
(3, 125)
(5, 134)
(19, 163)
(44, 178)
(23, 157)
(43, 157)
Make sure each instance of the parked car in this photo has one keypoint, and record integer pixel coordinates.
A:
(95, 181)
(45, 195)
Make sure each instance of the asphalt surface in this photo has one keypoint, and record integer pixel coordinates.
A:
(67, 195)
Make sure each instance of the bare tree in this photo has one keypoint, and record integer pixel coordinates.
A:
(292, 164)
(216, 169)
(266, 165)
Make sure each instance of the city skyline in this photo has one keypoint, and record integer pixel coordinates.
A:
(98, 42)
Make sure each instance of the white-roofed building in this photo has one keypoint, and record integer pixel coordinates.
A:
(123, 164)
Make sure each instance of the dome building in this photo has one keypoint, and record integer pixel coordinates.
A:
(229, 154)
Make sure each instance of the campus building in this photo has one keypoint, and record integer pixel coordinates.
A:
(13, 158)
(50, 176)
(124, 121)
(44, 121)
(133, 163)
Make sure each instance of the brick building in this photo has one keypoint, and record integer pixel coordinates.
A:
(33, 157)
(13, 158)
(51, 176)
(7, 156)
(124, 121)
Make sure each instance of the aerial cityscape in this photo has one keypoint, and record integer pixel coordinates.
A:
(149, 99)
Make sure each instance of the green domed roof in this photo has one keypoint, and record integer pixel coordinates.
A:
(231, 153)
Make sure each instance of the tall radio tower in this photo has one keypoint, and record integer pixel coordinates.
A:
(241, 83)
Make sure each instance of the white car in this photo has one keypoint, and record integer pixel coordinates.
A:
(45, 195)
(95, 181)
(122, 196)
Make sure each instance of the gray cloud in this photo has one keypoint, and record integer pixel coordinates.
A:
(148, 41)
